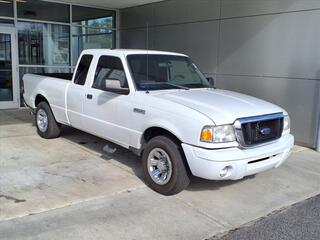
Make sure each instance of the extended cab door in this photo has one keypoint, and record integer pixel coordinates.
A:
(107, 114)
(76, 92)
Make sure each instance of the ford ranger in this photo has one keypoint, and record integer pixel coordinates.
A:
(160, 106)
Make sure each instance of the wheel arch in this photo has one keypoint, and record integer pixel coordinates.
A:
(40, 98)
(154, 131)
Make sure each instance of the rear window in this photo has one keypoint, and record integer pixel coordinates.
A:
(82, 70)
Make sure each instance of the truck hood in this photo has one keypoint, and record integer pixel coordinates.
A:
(221, 106)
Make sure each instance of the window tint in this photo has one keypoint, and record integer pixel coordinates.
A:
(82, 70)
(43, 10)
(6, 8)
(92, 16)
(109, 68)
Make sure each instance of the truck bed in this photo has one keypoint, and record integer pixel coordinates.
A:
(51, 86)
(65, 76)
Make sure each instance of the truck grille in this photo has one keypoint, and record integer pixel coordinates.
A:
(259, 130)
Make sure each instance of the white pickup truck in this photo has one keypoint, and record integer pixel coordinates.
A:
(160, 106)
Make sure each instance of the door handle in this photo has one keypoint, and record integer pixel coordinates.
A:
(89, 96)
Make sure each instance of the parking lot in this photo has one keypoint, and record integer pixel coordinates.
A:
(70, 188)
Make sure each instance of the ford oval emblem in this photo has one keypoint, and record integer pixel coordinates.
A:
(265, 131)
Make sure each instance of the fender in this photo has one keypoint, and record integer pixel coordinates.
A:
(164, 124)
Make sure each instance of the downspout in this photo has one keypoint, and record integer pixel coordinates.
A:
(318, 134)
(318, 120)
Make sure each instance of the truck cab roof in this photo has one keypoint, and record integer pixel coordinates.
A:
(129, 52)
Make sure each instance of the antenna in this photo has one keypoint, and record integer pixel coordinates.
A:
(147, 51)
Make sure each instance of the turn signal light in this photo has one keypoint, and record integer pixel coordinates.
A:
(206, 134)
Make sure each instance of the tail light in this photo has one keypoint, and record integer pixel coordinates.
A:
(21, 87)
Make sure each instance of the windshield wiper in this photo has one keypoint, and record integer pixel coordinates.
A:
(178, 86)
(164, 83)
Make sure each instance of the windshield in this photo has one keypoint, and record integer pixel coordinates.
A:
(165, 72)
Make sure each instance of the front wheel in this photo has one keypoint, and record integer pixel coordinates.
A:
(47, 126)
(163, 165)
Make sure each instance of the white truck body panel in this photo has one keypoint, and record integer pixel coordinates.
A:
(37, 85)
(123, 119)
(219, 105)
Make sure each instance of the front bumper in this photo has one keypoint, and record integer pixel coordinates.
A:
(208, 163)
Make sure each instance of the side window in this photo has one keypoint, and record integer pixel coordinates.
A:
(82, 70)
(109, 68)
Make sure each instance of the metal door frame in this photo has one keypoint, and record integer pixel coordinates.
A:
(15, 75)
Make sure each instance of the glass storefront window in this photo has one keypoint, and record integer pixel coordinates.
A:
(43, 44)
(91, 28)
(42, 10)
(6, 22)
(86, 15)
(47, 35)
(6, 93)
(103, 23)
(40, 70)
(89, 38)
(6, 8)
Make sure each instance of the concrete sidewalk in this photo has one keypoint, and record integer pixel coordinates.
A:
(68, 188)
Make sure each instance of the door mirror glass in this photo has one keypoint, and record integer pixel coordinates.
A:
(114, 85)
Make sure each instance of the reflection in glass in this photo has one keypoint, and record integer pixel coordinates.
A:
(6, 22)
(43, 44)
(6, 8)
(92, 28)
(83, 15)
(90, 38)
(40, 70)
(43, 10)
(5, 68)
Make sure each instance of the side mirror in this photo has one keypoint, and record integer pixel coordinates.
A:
(212, 82)
(114, 85)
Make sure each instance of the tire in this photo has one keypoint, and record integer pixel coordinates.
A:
(176, 179)
(47, 126)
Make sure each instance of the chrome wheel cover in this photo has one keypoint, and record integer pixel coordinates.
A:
(159, 166)
(42, 120)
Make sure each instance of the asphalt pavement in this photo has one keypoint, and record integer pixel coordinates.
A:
(300, 221)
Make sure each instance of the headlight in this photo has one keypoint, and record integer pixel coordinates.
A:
(218, 134)
(286, 125)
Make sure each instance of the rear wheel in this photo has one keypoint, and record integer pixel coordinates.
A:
(47, 126)
(163, 165)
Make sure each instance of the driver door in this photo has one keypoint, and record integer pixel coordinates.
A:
(106, 113)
